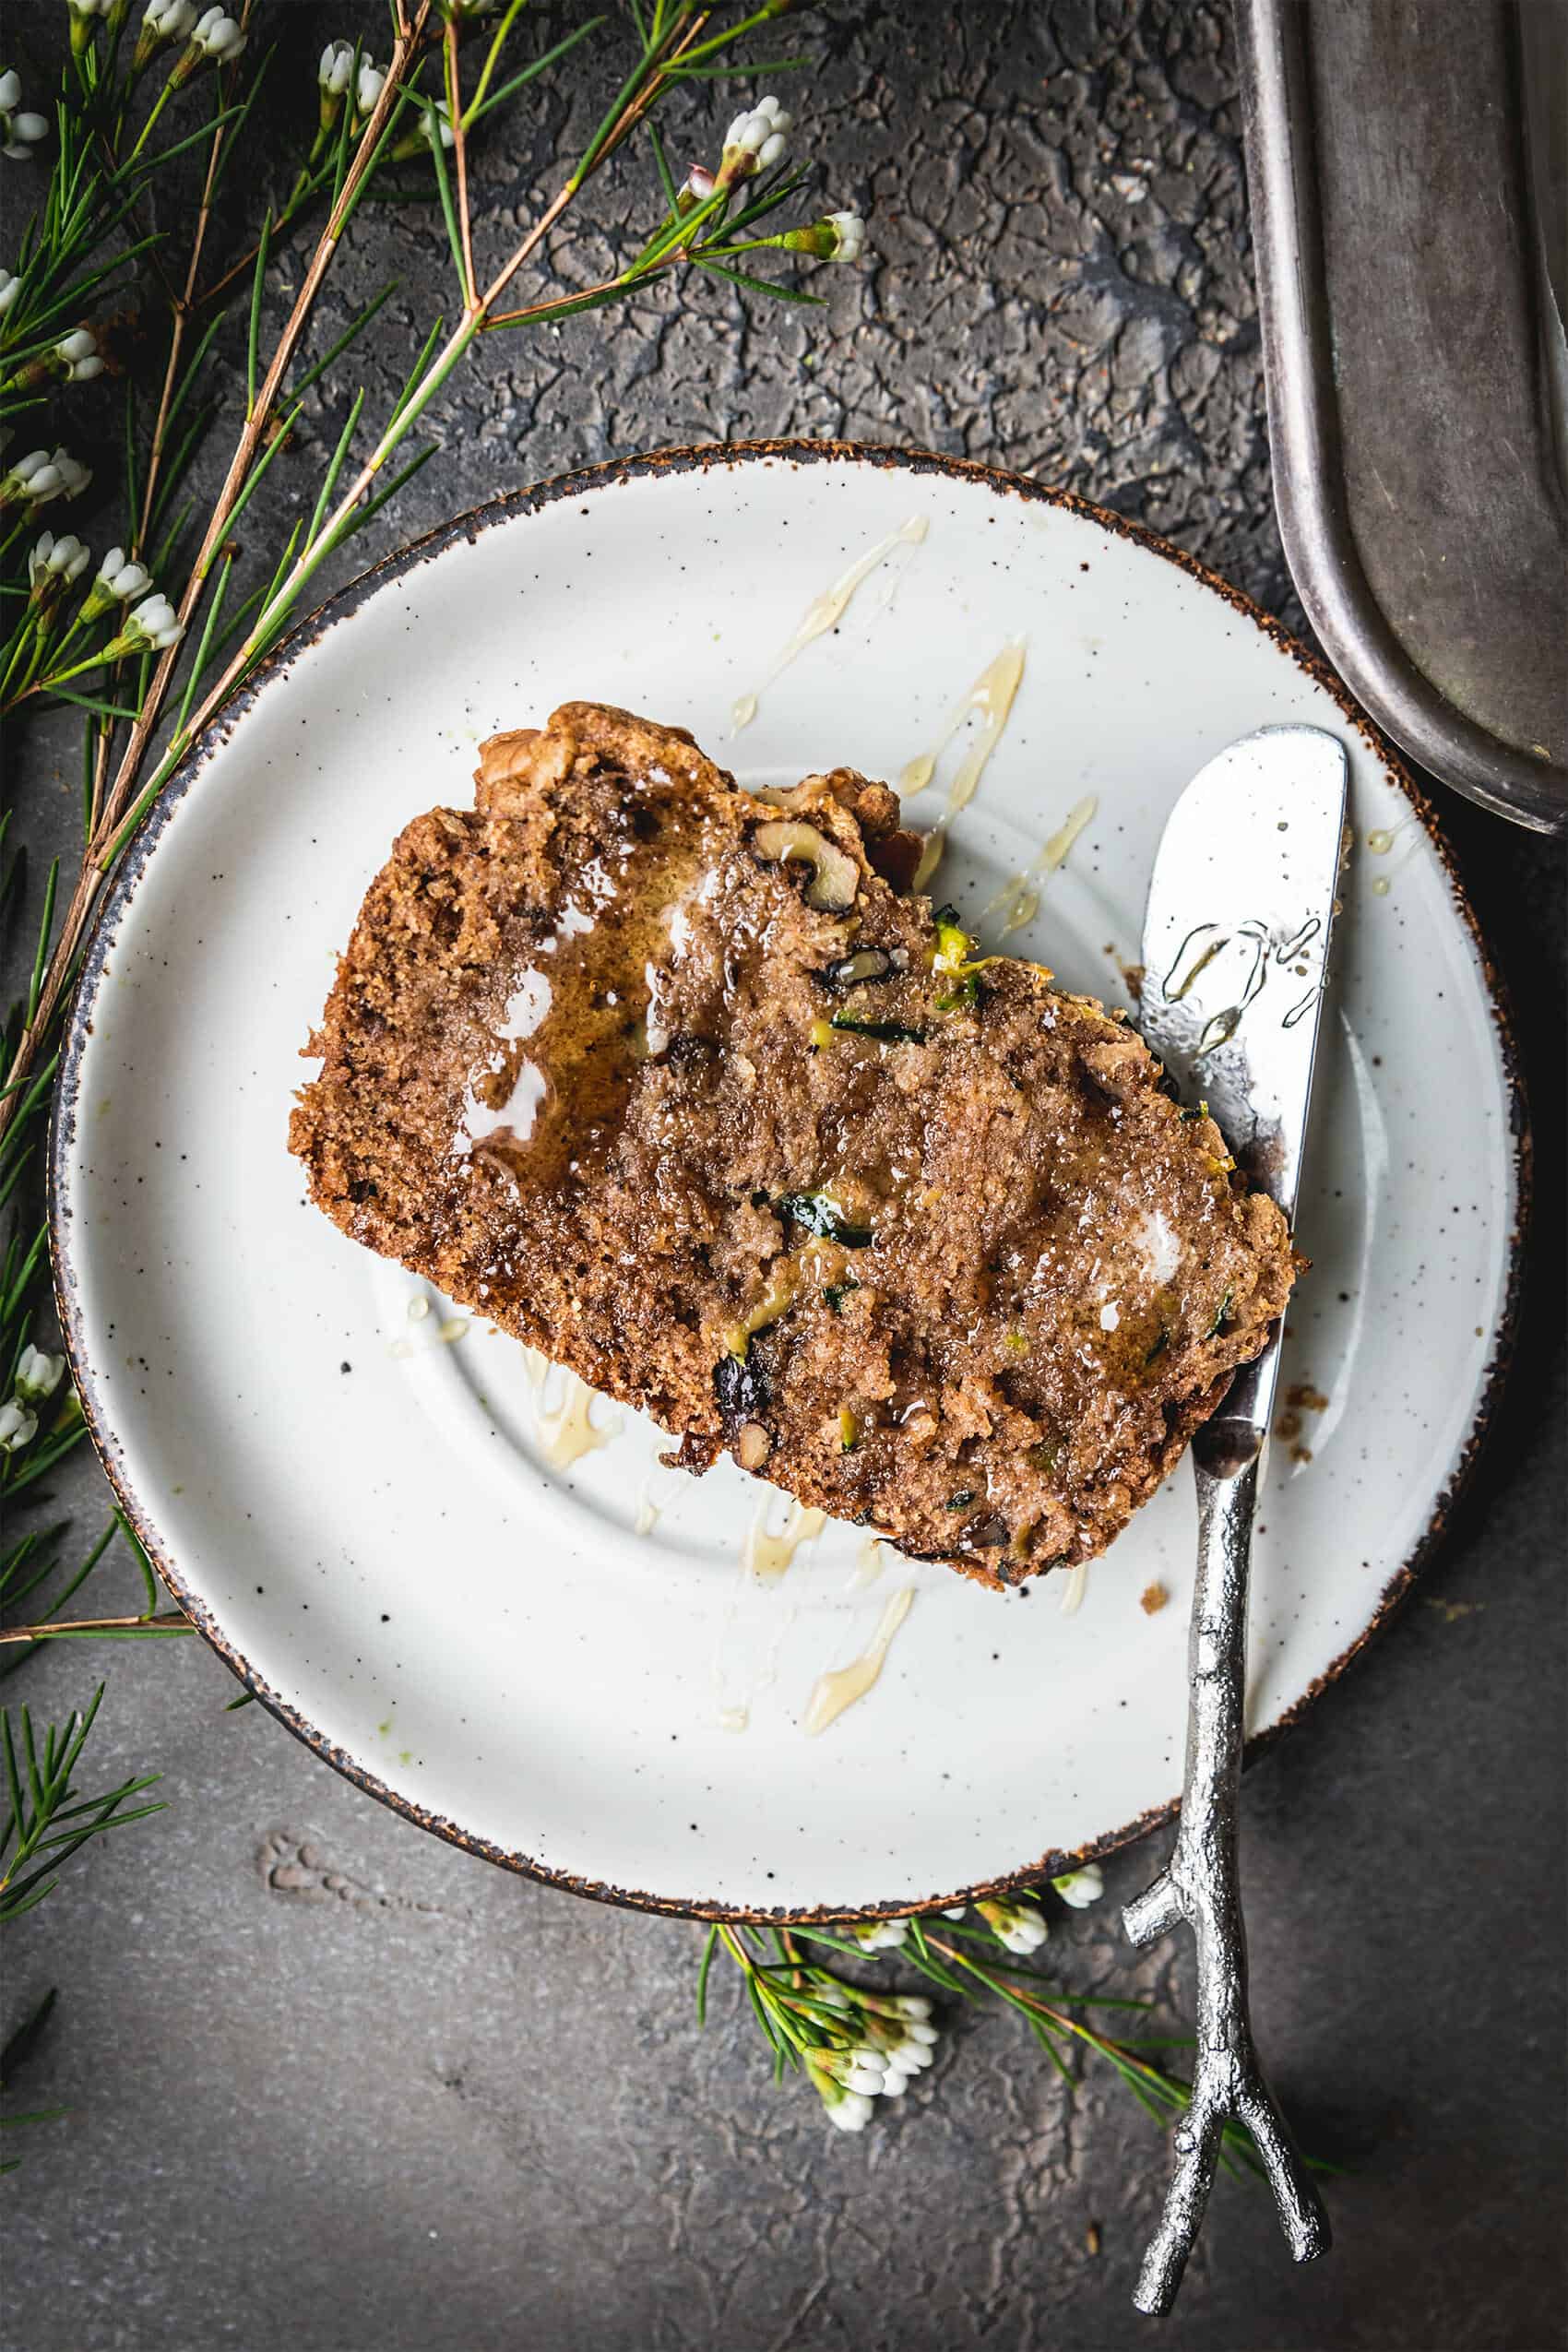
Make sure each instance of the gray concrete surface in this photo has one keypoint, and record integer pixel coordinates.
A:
(335, 2086)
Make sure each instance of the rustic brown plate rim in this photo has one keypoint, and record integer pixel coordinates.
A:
(342, 606)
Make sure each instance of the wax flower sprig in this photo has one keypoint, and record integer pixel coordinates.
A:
(852, 2043)
(140, 329)
(709, 217)
(855, 2043)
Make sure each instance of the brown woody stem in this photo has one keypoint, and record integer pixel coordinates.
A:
(176, 1621)
(109, 810)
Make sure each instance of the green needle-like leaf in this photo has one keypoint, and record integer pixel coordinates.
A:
(709, 1949)
(335, 467)
(258, 471)
(444, 188)
(253, 340)
(349, 336)
(45, 931)
(140, 1554)
(667, 178)
(750, 71)
(479, 105)
(758, 285)
(94, 702)
(198, 666)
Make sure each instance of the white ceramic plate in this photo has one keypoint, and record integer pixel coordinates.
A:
(384, 1552)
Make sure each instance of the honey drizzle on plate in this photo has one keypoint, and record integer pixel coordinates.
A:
(768, 1557)
(648, 1509)
(565, 1430)
(992, 696)
(826, 611)
(1017, 901)
(846, 1684)
(869, 1563)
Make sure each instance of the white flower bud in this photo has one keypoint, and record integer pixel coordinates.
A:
(434, 128)
(31, 481)
(880, 1935)
(759, 133)
(1019, 1925)
(163, 22)
(76, 357)
(155, 623)
(34, 479)
(121, 581)
(698, 183)
(914, 2004)
(368, 88)
(18, 1426)
(56, 562)
(37, 1375)
(337, 64)
(849, 2105)
(907, 2045)
(1080, 1888)
(850, 232)
(218, 36)
(11, 287)
(910, 2057)
(73, 474)
(20, 132)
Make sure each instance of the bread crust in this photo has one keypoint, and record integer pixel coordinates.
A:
(914, 1233)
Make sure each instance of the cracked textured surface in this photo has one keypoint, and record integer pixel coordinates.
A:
(335, 2084)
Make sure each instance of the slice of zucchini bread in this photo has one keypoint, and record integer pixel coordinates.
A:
(669, 1081)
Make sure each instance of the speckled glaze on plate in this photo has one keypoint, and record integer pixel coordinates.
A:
(353, 1497)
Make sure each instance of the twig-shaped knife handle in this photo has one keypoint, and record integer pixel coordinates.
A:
(1201, 1885)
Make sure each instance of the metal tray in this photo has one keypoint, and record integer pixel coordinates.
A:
(1407, 172)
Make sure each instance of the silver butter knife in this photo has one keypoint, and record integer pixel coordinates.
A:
(1236, 939)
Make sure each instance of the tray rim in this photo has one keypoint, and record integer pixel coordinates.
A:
(1315, 524)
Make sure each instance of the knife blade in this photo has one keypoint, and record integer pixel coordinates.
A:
(1236, 944)
(1236, 939)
